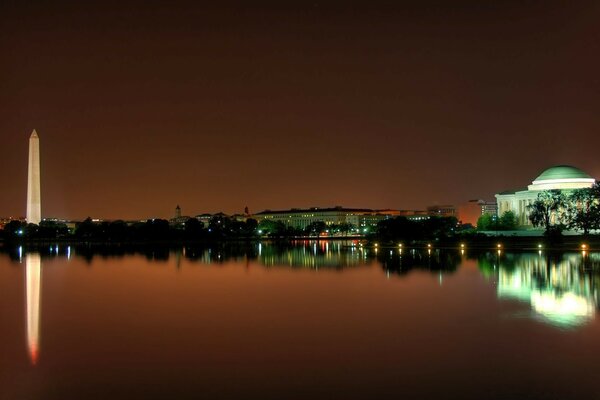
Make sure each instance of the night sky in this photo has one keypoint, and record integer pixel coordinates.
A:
(143, 106)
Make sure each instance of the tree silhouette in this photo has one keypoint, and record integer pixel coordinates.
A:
(548, 211)
(584, 209)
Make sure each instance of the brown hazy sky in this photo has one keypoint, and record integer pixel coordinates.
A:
(141, 106)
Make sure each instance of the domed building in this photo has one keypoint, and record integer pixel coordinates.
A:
(562, 177)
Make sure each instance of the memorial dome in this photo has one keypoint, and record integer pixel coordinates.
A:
(562, 172)
(562, 177)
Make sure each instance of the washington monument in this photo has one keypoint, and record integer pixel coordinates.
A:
(34, 200)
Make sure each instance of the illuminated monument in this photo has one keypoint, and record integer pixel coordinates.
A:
(34, 201)
(560, 177)
(33, 274)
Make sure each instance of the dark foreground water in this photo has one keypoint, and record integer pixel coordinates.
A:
(318, 320)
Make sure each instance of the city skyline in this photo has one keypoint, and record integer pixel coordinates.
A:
(143, 107)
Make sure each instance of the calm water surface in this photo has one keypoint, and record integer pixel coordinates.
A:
(315, 320)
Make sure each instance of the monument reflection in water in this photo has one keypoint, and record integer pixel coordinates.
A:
(33, 279)
(562, 290)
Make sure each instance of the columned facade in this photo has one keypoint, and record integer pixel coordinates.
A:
(561, 177)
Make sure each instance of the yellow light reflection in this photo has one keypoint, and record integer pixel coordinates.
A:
(33, 277)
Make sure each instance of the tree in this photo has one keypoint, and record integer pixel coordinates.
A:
(15, 229)
(439, 227)
(250, 227)
(193, 229)
(52, 230)
(508, 221)
(344, 228)
(548, 211)
(399, 228)
(315, 228)
(86, 229)
(488, 222)
(484, 222)
(220, 225)
(584, 209)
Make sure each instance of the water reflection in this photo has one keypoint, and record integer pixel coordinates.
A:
(562, 289)
(402, 261)
(33, 279)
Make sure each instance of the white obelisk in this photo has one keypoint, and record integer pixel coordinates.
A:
(34, 200)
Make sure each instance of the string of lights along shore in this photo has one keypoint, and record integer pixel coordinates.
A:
(34, 198)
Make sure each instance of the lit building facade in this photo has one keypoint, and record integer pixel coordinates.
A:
(561, 177)
(301, 218)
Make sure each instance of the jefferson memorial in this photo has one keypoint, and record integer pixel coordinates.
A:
(562, 177)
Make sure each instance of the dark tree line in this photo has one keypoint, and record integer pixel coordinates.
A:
(45, 230)
(154, 230)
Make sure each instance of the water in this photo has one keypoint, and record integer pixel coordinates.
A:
(314, 320)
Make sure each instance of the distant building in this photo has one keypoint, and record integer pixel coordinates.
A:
(178, 219)
(360, 218)
(240, 217)
(441, 211)
(561, 177)
(204, 219)
(470, 212)
(414, 215)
